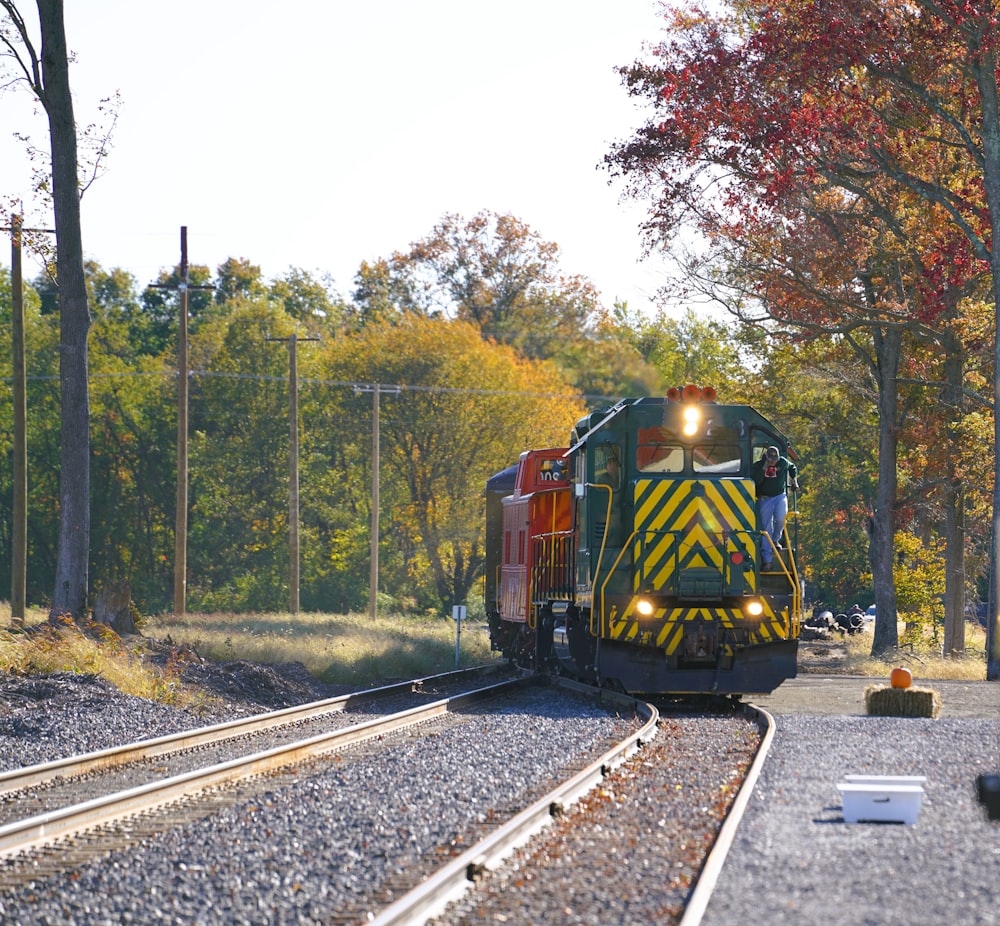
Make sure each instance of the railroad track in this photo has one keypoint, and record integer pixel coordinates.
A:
(62, 781)
(454, 877)
(54, 845)
(670, 884)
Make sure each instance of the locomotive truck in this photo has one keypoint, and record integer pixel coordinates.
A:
(632, 558)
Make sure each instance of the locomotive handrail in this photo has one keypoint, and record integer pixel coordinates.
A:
(604, 543)
(796, 586)
(611, 572)
(793, 580)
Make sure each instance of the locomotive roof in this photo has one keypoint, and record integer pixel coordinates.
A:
(601, 417)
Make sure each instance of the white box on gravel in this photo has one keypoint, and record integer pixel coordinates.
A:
(882, 798)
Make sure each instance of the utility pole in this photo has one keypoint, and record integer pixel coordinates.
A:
(19, 552)
(293, 469)
(19, 538)
(181, 524)
(376, 389)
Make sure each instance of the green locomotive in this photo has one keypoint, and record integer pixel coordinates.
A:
(635, 557)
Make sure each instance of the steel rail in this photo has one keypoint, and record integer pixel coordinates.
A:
(174, 742)
(455, 877)
(47, 827)
(708, 877)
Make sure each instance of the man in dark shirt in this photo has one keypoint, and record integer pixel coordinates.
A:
(772, 474)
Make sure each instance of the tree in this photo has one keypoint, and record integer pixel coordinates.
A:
(47, 73)
(804, 140)
(305, 298)
(466, 408)
(239, 452)
(133, 429)
(492, 271)
(686, 350)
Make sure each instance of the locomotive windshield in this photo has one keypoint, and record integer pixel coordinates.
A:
(659, 458)
(717, 458)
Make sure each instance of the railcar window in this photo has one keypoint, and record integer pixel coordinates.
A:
(717, 458)
(607, 461)
(659, 458)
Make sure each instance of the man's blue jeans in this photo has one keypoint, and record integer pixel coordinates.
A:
(773, 511)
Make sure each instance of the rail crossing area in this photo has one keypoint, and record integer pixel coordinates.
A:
(794, 859)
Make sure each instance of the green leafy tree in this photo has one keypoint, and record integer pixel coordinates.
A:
(42, 438)
(308, 299)
(133, 433)
(159, 301)
(239, 452)
(465, 410)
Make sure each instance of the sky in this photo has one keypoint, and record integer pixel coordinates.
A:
(318, 135)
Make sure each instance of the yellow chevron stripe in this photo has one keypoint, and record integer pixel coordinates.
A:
(657, 502)
(736, 497)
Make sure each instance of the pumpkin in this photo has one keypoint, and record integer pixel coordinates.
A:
(900, 677)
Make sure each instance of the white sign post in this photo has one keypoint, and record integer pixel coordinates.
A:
(458, 613)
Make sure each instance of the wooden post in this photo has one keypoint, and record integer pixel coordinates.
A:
(376, 389)
(19, 551)
(181, 515)
(376, 466)
(293, 476)
(181, 521)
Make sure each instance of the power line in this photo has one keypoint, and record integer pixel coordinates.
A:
(344, 384)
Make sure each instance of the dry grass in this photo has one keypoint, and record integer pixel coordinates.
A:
(340, 649)
(46, 649)
(346, 649)
(922, 658)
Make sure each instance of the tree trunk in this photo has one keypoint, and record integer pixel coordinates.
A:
(69, 595)
(880, 550)
(114, 608)
(954, 505)
(984, 64)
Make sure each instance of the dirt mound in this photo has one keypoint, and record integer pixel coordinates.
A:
(257, 686)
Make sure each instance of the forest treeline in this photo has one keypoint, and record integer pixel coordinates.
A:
(481, 347)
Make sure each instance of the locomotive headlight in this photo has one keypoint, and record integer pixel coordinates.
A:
(754, 607)
(692, 418)
(644, 607)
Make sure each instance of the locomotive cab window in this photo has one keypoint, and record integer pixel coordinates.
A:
(608, 465)
(659, 458)
(717, 458)
(761, 440)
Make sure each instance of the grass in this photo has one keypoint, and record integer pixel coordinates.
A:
(345, 649)
(922, 657)
(46, 649)
(341, 649)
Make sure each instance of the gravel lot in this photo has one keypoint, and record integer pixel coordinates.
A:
(796, 861)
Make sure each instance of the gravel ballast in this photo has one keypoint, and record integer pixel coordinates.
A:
(303, 853)
(298, 855)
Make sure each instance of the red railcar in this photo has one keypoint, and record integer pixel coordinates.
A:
(536, 559)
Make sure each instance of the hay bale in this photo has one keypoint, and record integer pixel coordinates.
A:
(884, 701)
